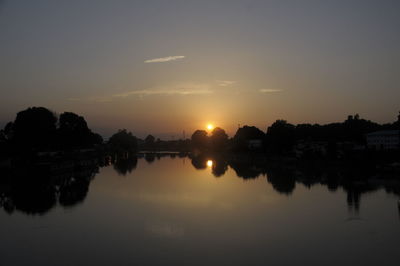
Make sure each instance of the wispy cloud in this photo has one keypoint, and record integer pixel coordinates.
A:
(224, 83)
(98, 99)
(269, 90)
(183, 89)
(165, 92)
(178, 89)
(165, 59)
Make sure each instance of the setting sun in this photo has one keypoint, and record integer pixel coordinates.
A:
(209, 163)
(210, 127)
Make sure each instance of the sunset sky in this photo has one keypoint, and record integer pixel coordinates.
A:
(162, 67)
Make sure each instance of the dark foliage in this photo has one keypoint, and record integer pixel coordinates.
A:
(200, 140)
(280, 136)
(34, 128)
(352, 129)
(245, 134)
(35, 191)
(218, 139)
(125, 164)
(74, 132)
(149, 143)
(122, 141)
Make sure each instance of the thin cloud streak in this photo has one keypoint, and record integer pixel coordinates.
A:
(165, 59)
(269, 90)
(104, 99)
(165, 92)
(224, 83)
(186, 89)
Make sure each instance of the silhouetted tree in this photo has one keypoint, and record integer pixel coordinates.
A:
(96, 138)
(149, 139)
(245, 134)
(34, 128)
(8, 131)
(2, 136)
(200, 140)
(218, 139)
(149, 142)
(354, 129)
(123, 141)
(71, 123)
(74, 132)
(280, 136)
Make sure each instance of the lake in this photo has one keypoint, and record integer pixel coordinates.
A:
(172, 210)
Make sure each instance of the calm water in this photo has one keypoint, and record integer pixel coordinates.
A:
(175, 211)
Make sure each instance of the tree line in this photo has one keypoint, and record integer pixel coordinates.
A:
(39, 129)
(281, 136)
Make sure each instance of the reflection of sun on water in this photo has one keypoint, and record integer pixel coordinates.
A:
(209, 163)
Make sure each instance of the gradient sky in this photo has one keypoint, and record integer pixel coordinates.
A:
(162, 67)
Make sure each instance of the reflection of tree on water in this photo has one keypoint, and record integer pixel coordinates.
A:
(245, 169)
(282, 179)
(354, 179)
(75, 192)
(353, 200)
(199, 162)
(398, 207)
(332, 181)
(219, 167)
(37, 193)
(125, 164)
(149, 157)
(218, 164)
(30, 199)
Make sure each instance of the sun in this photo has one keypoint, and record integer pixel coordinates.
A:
(210, 127)
(209, 163)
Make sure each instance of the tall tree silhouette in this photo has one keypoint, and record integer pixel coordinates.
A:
(74, 132)
(200, 140)
(149, 142)
(34, 128)
(245, 134)
(219, 139)
(123, 141)
(280, 136)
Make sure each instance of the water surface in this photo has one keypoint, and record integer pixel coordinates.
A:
(178, 211)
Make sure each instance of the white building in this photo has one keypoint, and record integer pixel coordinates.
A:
(384, 140)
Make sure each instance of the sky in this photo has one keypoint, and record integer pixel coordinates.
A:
(164, 67)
